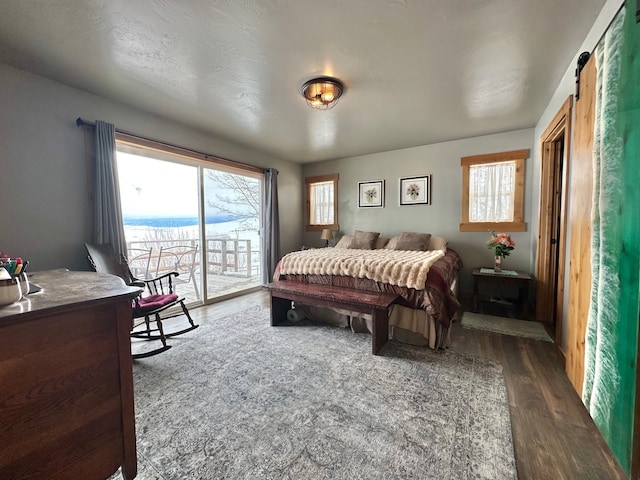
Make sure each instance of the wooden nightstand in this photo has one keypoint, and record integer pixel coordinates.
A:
(487, 275)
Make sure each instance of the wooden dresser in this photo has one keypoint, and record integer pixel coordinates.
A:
(66, 380)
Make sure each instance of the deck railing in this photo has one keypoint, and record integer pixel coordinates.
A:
(225, 256)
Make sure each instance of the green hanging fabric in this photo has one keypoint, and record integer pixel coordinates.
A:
(611, 340)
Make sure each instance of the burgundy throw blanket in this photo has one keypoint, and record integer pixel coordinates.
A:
(436, 298)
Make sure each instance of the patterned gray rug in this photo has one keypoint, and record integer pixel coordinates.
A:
(239, 399)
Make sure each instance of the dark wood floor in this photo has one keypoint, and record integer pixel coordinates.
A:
(554, 437)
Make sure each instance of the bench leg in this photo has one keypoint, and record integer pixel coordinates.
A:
(279, 309)
(380, 327)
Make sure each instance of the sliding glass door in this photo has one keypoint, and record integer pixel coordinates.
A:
(232, 208)
(180, 214)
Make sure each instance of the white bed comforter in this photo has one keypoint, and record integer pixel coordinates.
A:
(396, 267)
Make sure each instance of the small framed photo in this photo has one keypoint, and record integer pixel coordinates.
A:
(371, 194)
(415, 190)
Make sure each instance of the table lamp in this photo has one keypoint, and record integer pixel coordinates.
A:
(326, 236)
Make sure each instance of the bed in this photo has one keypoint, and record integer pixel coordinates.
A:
(419, 267)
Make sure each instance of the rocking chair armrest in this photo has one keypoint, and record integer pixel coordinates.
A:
(161, 284)
(136, 282)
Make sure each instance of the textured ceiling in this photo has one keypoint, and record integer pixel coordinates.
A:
(416, 72)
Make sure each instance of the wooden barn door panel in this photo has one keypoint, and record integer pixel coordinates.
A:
(581, 186)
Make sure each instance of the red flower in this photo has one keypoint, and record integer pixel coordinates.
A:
(501, 243)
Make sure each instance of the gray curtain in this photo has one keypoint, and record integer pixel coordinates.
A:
(107, 213)
(271, 225)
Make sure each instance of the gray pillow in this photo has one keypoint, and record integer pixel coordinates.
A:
(364, 240)
(437, 243)
(391, 244)
(413, 241)
(381, 242)
(344, 242)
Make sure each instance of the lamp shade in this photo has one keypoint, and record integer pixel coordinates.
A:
(326, 234)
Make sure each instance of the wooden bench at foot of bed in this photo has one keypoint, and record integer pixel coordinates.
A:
(377, 304)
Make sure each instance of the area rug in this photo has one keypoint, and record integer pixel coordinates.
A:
(505, 326)
(239, 399)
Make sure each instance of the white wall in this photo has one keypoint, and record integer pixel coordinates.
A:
(442, 217)
(44, 183)
(565, 88)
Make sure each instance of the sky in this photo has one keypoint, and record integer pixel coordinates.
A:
(152, 188)
(149, 187)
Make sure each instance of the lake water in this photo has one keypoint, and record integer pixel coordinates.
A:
(172, 229)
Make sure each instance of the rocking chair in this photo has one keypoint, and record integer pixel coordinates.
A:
(160, 297)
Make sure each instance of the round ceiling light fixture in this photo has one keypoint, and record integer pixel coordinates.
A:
(322, 93)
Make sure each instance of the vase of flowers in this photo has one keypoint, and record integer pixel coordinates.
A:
(502, 245)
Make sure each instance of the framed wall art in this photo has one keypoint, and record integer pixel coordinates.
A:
(415, 190)
(371, 194)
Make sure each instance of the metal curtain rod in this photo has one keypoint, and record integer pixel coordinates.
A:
(83, 123)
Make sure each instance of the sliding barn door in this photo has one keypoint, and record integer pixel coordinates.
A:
(581, 186)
